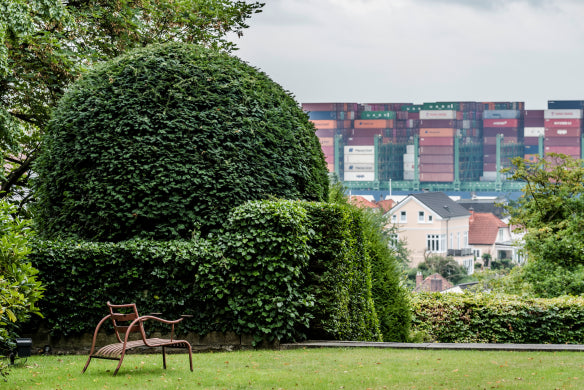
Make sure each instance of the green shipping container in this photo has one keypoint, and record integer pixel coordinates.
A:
(377, 114)
(442, 106)
(412, 108)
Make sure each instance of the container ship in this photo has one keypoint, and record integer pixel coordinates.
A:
(441, 146)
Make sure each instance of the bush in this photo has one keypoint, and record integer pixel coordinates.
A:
(19, 289)
(488, 318)
(277, 271)
(169, 137)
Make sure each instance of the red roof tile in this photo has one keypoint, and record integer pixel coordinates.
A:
(386, 204)
(483, 228)
(361, 202)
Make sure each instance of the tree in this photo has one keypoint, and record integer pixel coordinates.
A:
(167, 138)
(551, 213)
(445, 266)
(46, 44)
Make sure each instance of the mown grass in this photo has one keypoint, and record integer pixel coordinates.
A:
(358, 368)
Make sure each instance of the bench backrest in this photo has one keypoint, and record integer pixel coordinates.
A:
(122, 317)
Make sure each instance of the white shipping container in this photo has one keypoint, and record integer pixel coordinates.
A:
(409, 167)
(437, 114)
(359, 167)
(533, 131)
(559, 114)
(367, 149)
(409, 158)
(410, 149)
(408, 175)
(359, 176)
(466, 124)
(359, 158)
(489, 176)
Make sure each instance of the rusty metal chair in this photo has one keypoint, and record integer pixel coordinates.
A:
(117, 351)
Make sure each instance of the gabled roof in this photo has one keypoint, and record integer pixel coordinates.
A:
(483, 229)
(441, 204)
(362, 202)
(386, 204)
(428, 285)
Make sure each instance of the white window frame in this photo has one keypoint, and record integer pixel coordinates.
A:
(421, 217)
(394, 218)
(435, 243)
(403, 217)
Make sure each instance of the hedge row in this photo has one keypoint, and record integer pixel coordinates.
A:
(489, 318)
(278, 270)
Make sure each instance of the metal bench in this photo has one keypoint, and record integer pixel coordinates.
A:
(135, 322)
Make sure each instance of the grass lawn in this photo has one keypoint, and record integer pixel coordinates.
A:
(355, 368)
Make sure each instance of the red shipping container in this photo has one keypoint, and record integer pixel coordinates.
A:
(369, 132)
(325, 124)
(562, 132)
(561, 141)
(438, 123)
(533, 122)
(490, 158)
(563, 123)
(325, 133)
(500, 123)
(319, 106)
(328, 150)
(373, 124)
(436, 141)
(569, 150)
(437, 168)
(331, 167)
(490, 167)
(437, 150)
(360, 141)
(531, 157)
(505, 131)
(439, 177)
(436, 159)
(531, 141)
(535, 114)
(434, 132)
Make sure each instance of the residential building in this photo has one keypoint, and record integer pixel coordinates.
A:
(490, 235)
(432, 223)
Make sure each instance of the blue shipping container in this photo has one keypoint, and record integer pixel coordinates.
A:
(323, 115)
(502, 114)
(565, 104)
(531, 149)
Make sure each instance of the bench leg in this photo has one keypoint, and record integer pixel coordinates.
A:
(120, 363)
(164, 357)
(86, 364)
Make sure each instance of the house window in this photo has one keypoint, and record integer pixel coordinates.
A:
(393, 240)
(435, 242)
(421, 217)
(429, 218)
(451, 241)
(402, 217)
(394, 218)
(501, 235)
(458, 239)
(476, 253)
(465, 239)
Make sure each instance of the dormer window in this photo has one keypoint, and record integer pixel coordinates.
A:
(421, 217)
(403, 217)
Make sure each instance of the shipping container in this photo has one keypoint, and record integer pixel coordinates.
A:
(325, 124)
(370, 149)
(374, 124)
(563, 133)
(501, 114)
(533, 131)
(323, 115)
(533, 114)
(490, 167)
(565, 104)
(359, 159)
(510, 132)
(440, 123)
(318, 106)
(326, 141)
(437, 141)
(501, 123)
(328, 150)
(531, 149)
(562, 141)
(531, 157)
(436, 177)
(330, 167)
(528, 141)
(359, 167)
(378, 115)
(436, 150)
(563, 123)
(325, 133)
(562, 114)
(329, 159)
(438, 159)
(534, 122)
(440, 114)
(437, 132)
(365, 132)
(569, 150)
(359, 141)
(492, 141)
(359, 176)
(436, 168)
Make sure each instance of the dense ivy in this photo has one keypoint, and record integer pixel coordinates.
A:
(168, 138)
(488, 318)
(278, 270)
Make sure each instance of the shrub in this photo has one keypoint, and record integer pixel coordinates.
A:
(169, 137)
(277, 271)
(489, 318)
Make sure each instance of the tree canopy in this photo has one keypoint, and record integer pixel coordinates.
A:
(46, 44)
(168, 137)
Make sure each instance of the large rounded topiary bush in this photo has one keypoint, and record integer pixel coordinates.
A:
(167, 138)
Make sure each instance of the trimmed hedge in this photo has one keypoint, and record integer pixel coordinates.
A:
(278, 270)
(487, 318)
(168, 137)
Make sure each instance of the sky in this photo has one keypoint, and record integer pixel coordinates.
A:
(381, 51)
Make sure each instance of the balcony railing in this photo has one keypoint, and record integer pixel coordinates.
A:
(459, 252)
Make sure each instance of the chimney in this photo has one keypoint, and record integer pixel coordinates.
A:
(471, 219)
(435, 284)
(419, 279)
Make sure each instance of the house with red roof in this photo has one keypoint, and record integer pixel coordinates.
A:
(489, 235)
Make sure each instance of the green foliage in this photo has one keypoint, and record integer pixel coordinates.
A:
(551, 212)
(46, 44)
(277, 271)
(489, 318)
(445, 266)
(19, 289)
(167, 137)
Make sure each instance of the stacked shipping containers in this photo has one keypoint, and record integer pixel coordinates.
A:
(563, 130)
(437, 131)
(532, 131)
(507, 123)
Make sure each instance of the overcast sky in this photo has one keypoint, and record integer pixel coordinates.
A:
(368, 51)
